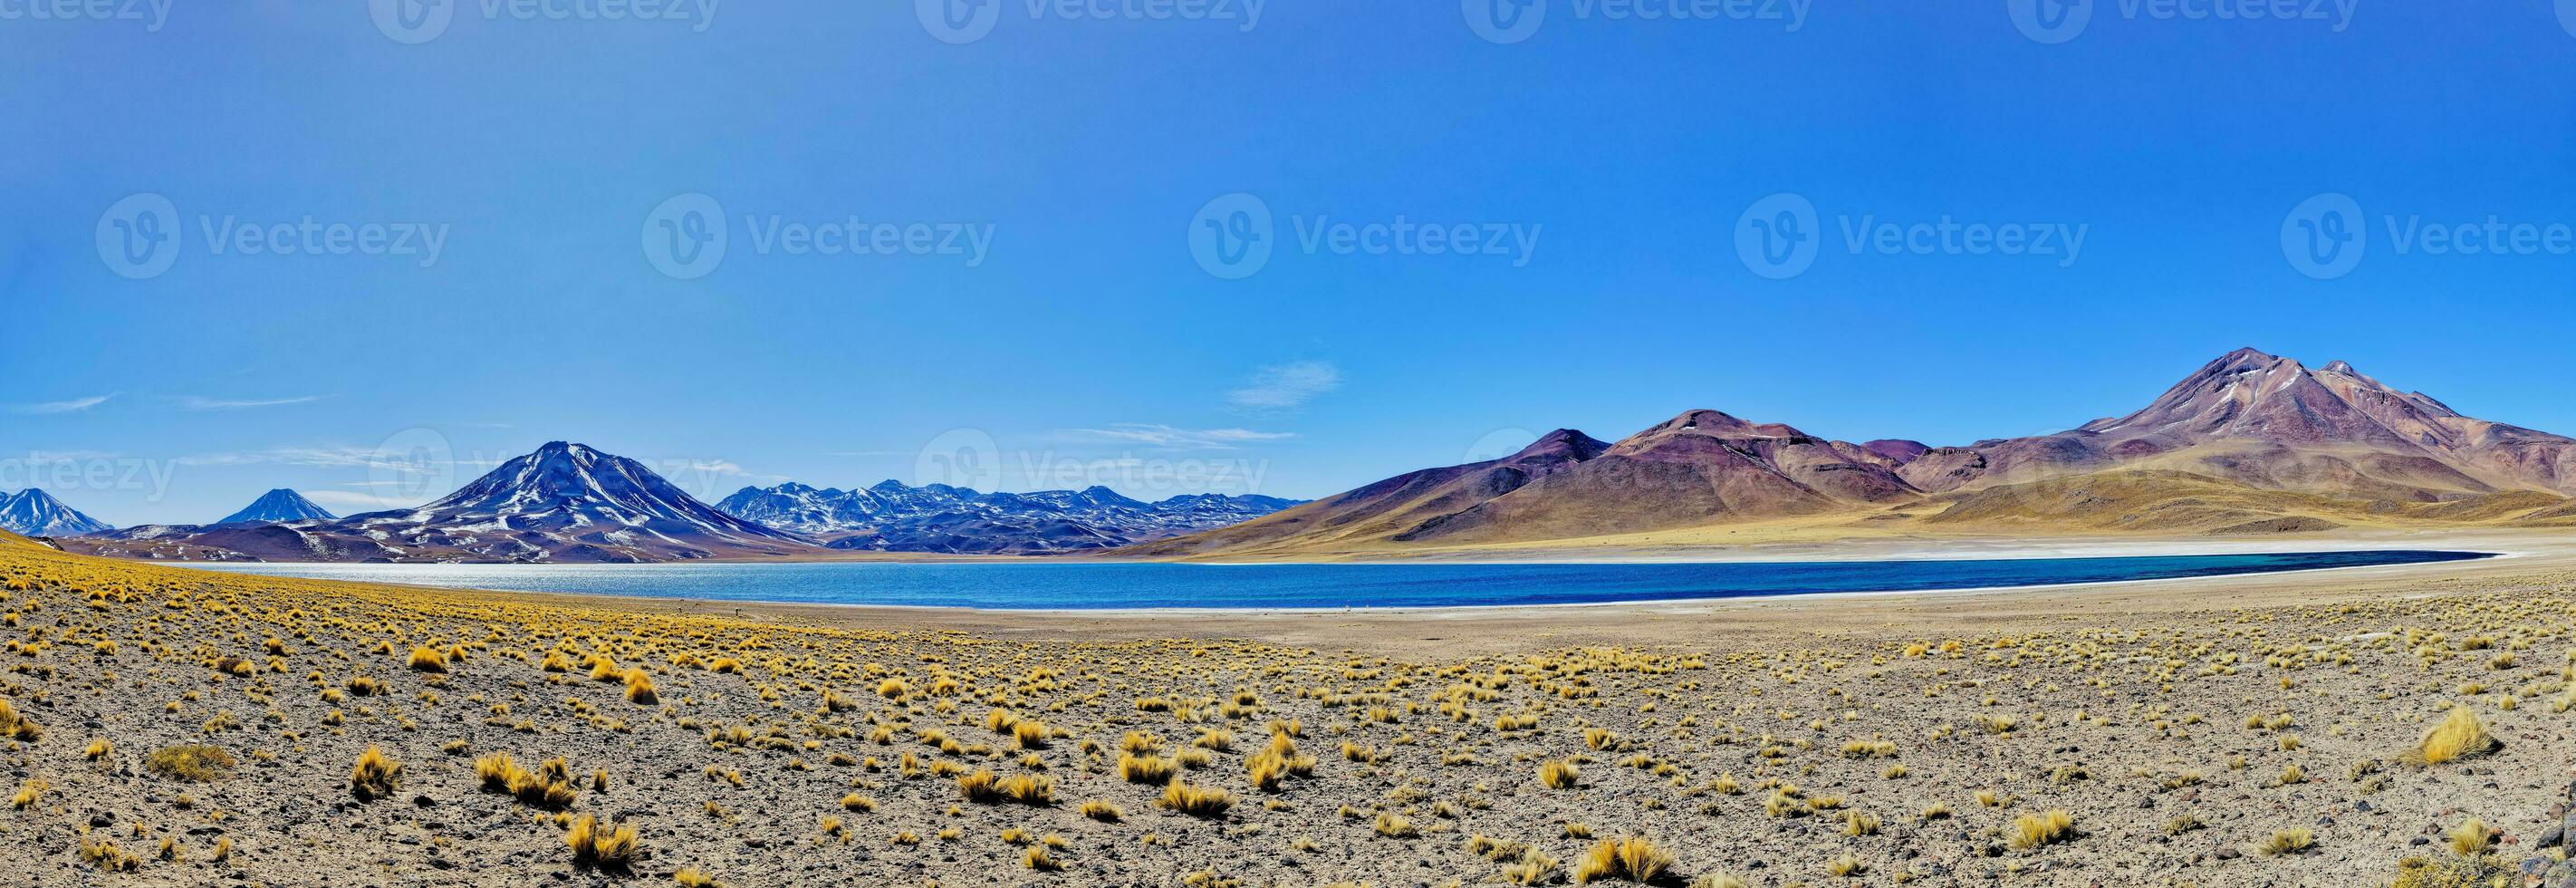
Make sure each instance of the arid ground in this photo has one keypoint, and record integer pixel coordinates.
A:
(170, 727)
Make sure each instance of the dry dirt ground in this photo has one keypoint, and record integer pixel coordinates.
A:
(2247, 732)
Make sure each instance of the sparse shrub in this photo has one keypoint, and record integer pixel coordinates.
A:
(2036, 830)
(1632, 859)
(193, 763)
(375, 776)
(601, 846)
(2459, 736)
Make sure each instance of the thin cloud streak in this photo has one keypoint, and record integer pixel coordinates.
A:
(194, 403)
(74, 405)
(1171, 437)
(1281, 387)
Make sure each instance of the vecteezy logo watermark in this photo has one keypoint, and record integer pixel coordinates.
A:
(1779, 237)
(141, 235)
(412, 21)
(958, 21)
(2326, 236)
(138, 237)
(2058, 21)
(1497, 444)
(687, 236)
(411, 466)
(967, 21)
(152, 13)
(959, 458)
(1512, 21)
(2050, 21)
(1234, 236)
(421, 21)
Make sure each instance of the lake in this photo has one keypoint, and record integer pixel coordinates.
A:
(1067, 585)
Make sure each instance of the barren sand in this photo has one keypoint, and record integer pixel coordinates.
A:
(2235, 731)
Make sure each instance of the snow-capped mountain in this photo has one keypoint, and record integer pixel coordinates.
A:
(563, 503)
(894, 517)
(34, 513)
(277, 507)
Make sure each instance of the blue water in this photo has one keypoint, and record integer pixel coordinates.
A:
(1079, 585)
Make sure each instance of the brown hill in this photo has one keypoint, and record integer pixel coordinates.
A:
(1698, 468)
(2251, 443)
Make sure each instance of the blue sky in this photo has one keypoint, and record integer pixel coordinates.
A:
(1042, 296)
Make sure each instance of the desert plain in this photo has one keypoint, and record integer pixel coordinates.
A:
(2377, 726)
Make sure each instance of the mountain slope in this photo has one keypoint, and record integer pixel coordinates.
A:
(2249, 443)
(892, 517)
(1699, 468)
(35, 513)
(277, 507)
(563, 503)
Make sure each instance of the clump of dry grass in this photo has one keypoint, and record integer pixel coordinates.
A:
(28, 793)
(2460, 735)
(1146, 768)
(2037, 830)
(1196, 801)
(1633, 859)
(601, 846)
(1533, 868)
(14, 726)
(428, 659)
(1559, 775)
(192, 763)
(375, 776)
(2287, 841)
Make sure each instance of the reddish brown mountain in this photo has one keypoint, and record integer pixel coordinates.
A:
(2270, 422)
(2251, 443)
(1699, 468)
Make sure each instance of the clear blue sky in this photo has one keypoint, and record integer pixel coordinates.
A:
(1089, 335)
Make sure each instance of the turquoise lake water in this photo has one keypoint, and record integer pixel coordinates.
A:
(1065, 585)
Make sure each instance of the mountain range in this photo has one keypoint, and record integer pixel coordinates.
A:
(35, 513)
(563, 503)
(894, 517)
(2250, 443)
(569, 503)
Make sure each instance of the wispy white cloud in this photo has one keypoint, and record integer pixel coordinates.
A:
(1171, 437)
(194, 402)
(1281, 387)
(74, 405)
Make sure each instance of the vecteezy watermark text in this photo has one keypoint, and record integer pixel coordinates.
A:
(1780, 236)
(1512, 21)
(687, 236)
(2326, 236)
(1234, 236)
(967, 21)
(58, 472)
(421, 21)
(142, 235)
(971, 459)
(2058, 21)
(152, 13)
